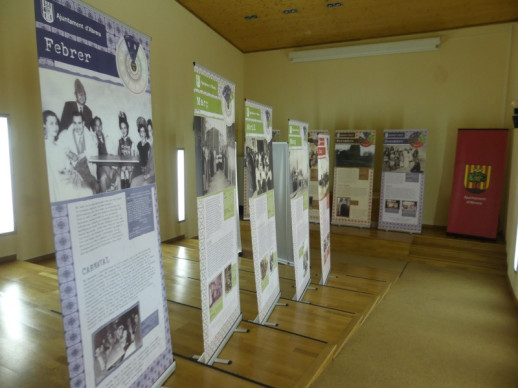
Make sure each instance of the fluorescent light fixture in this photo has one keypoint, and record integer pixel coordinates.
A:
(516, 249)
(6, 189)
(365, 50)
(180, 173)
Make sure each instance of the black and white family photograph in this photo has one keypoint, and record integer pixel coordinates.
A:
(323, 179)
(93, 147)
(403, 158)
(215, 155)
(313, 149)
(259, 166)
(299, 171)
(115, 342)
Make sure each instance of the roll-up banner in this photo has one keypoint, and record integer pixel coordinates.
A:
(324, 205)
(353, 178)
(314, 199)
(96, 99)
(402, 180)
(477, 182)
(214, 118)
(299, 203)
(259, 163)
(246, 202)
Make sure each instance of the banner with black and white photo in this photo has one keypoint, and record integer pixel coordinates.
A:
(299, 203)
(324, 205)
(259, 166)
(215, 148)
(402, 180)
(353, 178)
(314, 199)
(96, 99)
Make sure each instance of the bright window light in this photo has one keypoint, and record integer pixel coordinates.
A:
(6, 189)
(180, 173)
(516, 249)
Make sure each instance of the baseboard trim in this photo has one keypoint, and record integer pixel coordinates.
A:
(174, 239)
(7, 259)
(48, 256)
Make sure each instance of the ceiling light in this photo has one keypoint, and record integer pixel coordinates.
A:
(333, 5)
(288, 11)
(250, 17)
(405, 46)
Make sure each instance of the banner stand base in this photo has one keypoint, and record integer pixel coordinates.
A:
(285, 262)
(303, 292)
(169, 371)
(214, 356)
(222, 361)
(323, 282)
(268, 313)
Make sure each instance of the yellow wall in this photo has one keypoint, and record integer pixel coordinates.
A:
(463, 84)
(469, 82)
(178, 39)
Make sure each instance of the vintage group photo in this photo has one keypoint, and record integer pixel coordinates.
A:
(92, 147)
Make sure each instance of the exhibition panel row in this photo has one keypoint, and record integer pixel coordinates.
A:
(103, 197)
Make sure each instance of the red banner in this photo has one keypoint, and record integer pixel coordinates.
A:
(477, 182)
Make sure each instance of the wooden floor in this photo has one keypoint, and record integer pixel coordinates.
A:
(307, 334)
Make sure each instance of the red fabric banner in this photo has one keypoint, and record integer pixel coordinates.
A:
(477, 182)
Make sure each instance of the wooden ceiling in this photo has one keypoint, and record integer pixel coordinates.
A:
(258, 25)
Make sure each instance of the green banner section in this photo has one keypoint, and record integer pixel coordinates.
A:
(265, 281)
(305, 200)
(234, 275)
(228, 203)
(206, 84)
(295, 141)
(270, 199)
(301, 251)
(294, 130)
(253, 127)
(216, 308)
(207, 103)
(294, 138)
(275, 259)
(253, 113)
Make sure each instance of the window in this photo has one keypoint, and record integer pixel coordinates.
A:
(6, 188)
(180, 173)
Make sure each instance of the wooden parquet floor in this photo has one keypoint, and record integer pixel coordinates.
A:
(304, 337)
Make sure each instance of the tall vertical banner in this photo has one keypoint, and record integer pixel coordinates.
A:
(402, 180)
(214, 120)
(299, 203)
(324, 204)
(353, 178)
(259, 163)
(477, 182)
(246, 202)
(100, 165)
(314, 199)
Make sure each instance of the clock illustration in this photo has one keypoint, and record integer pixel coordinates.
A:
(132, 64)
